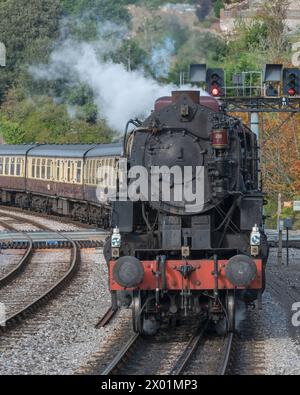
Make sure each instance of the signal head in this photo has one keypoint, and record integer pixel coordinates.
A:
(215, 91)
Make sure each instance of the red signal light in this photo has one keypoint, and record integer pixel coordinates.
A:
(292, 92)
(215, 92)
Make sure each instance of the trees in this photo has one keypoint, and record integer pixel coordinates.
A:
(114, 11)
(219, 4)
(273, 16)
(11, 132)
(27, 28)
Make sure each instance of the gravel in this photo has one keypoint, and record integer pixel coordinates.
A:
(64, 335)
(9, 259)
(281, 340)
(50, 223)
(282, 352)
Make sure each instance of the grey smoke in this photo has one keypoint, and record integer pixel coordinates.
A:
(161, 57)
(118, 94)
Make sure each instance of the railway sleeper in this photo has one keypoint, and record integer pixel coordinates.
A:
(16, 245)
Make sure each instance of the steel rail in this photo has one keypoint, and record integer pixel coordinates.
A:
(225, 364)
(107, 317)
(23, 220)
(51, 292)
(23, 261)
(119, 358)
(20, 266)
(183, 361)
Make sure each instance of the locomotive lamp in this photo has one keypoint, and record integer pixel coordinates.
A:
(116, 238)
(219, 139)
(255, 241)
(116, 243)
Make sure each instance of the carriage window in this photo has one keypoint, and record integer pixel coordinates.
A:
(100, 172)
(79, 170)
(38, 168)
(85, 172)
(49, 162)
(106, 174)
(69, 171)
(43, 172)
(98, 169)
(72, 171)
(58, 170)
(18, 167)
(6, 168)
(111, 176)
(12, 166)
(93, 173)
(89, 172)
(1, 166)
(33, 168)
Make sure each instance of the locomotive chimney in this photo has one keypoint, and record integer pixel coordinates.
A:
(193, 95)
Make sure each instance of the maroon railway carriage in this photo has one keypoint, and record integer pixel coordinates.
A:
(59, 179)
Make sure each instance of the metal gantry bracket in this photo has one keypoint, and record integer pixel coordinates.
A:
(261, 104)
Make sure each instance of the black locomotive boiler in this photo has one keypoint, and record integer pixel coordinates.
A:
(178, 259)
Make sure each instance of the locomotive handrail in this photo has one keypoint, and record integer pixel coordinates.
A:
(134, 122)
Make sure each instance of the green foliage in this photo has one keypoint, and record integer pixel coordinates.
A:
(271, 214)
(246, 51)
(101, 9)
(40, 120)
(11, 132)
(27, 28)
(219, 4)
(130, 54)
(199, 48)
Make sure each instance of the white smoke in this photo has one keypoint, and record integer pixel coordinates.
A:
(161, 57)
(119, 94)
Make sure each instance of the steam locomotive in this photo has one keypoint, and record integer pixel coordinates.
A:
(176, 257)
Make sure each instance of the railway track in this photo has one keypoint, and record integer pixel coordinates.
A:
(27, 286)
(62, 220)
(21, 221)
(22, 262)
(171, 352)
(106, 318)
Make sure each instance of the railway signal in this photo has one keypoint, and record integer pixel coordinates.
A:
(215, 79)
(197, 73)
(291, 82)
(272, 78)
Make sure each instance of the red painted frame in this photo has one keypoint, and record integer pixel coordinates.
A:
(202, 279)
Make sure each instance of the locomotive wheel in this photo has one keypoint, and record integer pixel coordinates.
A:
(231, 310)
(137, 318)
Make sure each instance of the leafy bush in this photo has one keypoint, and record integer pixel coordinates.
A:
(11, 132)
